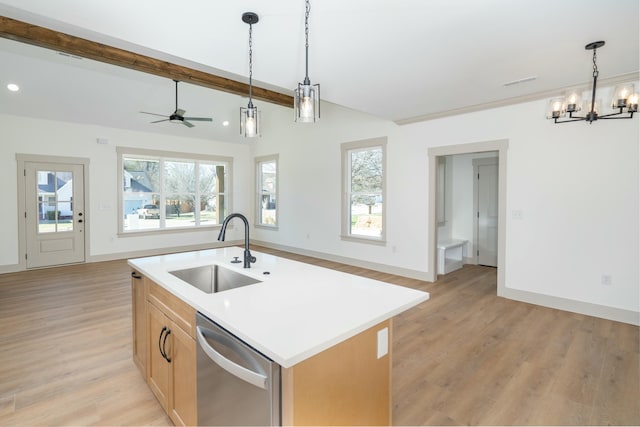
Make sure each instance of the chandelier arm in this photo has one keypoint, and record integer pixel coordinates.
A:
(575, 119)
(611, 116)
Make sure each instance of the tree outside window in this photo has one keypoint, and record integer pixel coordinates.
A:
(164, 193)
(267, 191)
(364, 180)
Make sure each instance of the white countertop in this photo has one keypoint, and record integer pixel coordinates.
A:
(298, 310)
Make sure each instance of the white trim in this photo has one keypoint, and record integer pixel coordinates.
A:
(565, 304)
(433, 153)
(588, 309)
(161, 251)
(611, 81)
(384, 268)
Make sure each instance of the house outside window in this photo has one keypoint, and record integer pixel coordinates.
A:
(267, 191)
(364, 183)
(163, 191)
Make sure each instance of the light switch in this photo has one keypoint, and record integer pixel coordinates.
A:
(383, 342)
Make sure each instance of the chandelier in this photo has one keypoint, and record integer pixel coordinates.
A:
(625, 100)
(249, 124)
(306, 103)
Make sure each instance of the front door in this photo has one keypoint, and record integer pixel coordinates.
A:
(54, 213)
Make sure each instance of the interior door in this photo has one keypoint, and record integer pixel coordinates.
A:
(55, 220)
(487, 239)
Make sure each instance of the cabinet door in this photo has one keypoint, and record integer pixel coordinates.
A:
(157, 366)
(139, 326)
(182, 399)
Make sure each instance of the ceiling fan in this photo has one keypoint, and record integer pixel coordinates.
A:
(178, 115)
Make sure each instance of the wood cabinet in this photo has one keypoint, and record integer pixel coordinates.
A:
(347, 384)
(139, 318)
(171, 360)
(164, 331)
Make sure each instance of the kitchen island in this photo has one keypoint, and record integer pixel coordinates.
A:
(303, 317)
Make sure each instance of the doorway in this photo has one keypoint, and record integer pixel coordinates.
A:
(53, 217)
(500, 146)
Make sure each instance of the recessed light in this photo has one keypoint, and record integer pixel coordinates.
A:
(225, 123)
(13, 87)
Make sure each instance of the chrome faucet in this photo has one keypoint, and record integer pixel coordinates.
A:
(248, 258)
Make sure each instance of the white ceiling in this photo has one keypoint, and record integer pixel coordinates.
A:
(399, 60)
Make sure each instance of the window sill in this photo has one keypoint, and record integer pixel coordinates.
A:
(151, 232)
(368, 240)
(266, 227)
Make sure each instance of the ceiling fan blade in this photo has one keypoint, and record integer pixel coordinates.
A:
(187, 124)
(179, 112)
(163, 120)
(199, 119)
(154, 114)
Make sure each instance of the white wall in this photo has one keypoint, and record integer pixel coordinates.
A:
(42, 137)
(576, 184)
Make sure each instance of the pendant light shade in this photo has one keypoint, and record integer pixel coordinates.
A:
(249, 116)
(249, 123)
(306, 96)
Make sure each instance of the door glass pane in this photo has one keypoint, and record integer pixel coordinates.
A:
(55, 201)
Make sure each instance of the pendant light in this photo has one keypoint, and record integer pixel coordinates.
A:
(249, 117)
(307, 96)
(625, 100)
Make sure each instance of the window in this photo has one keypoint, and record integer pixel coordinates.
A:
(171, 191)
(364, 179)
(267, 191)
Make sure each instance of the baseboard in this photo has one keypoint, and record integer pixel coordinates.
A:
(162, 251)
(15, 268)
(384, 268)
(11, 268)
(565, 304)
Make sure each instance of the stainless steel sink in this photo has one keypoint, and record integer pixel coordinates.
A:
(213, 278)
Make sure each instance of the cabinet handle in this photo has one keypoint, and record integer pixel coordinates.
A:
(164, 343)
(164, 328)
(135, 275)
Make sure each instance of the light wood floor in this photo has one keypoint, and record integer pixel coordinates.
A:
(464, 357)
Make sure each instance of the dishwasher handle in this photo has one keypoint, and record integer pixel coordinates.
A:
(241, 372)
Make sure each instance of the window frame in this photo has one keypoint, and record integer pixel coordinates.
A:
(272, 158)
(346, 149)
(162, 156)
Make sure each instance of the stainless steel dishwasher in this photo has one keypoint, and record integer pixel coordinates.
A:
(237, 385)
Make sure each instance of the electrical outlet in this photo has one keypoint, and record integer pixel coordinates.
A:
(606, 280)
(516, 214)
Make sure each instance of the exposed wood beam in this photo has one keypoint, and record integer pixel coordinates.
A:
(50, 39)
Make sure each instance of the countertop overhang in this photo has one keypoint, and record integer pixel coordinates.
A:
(297, 311)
